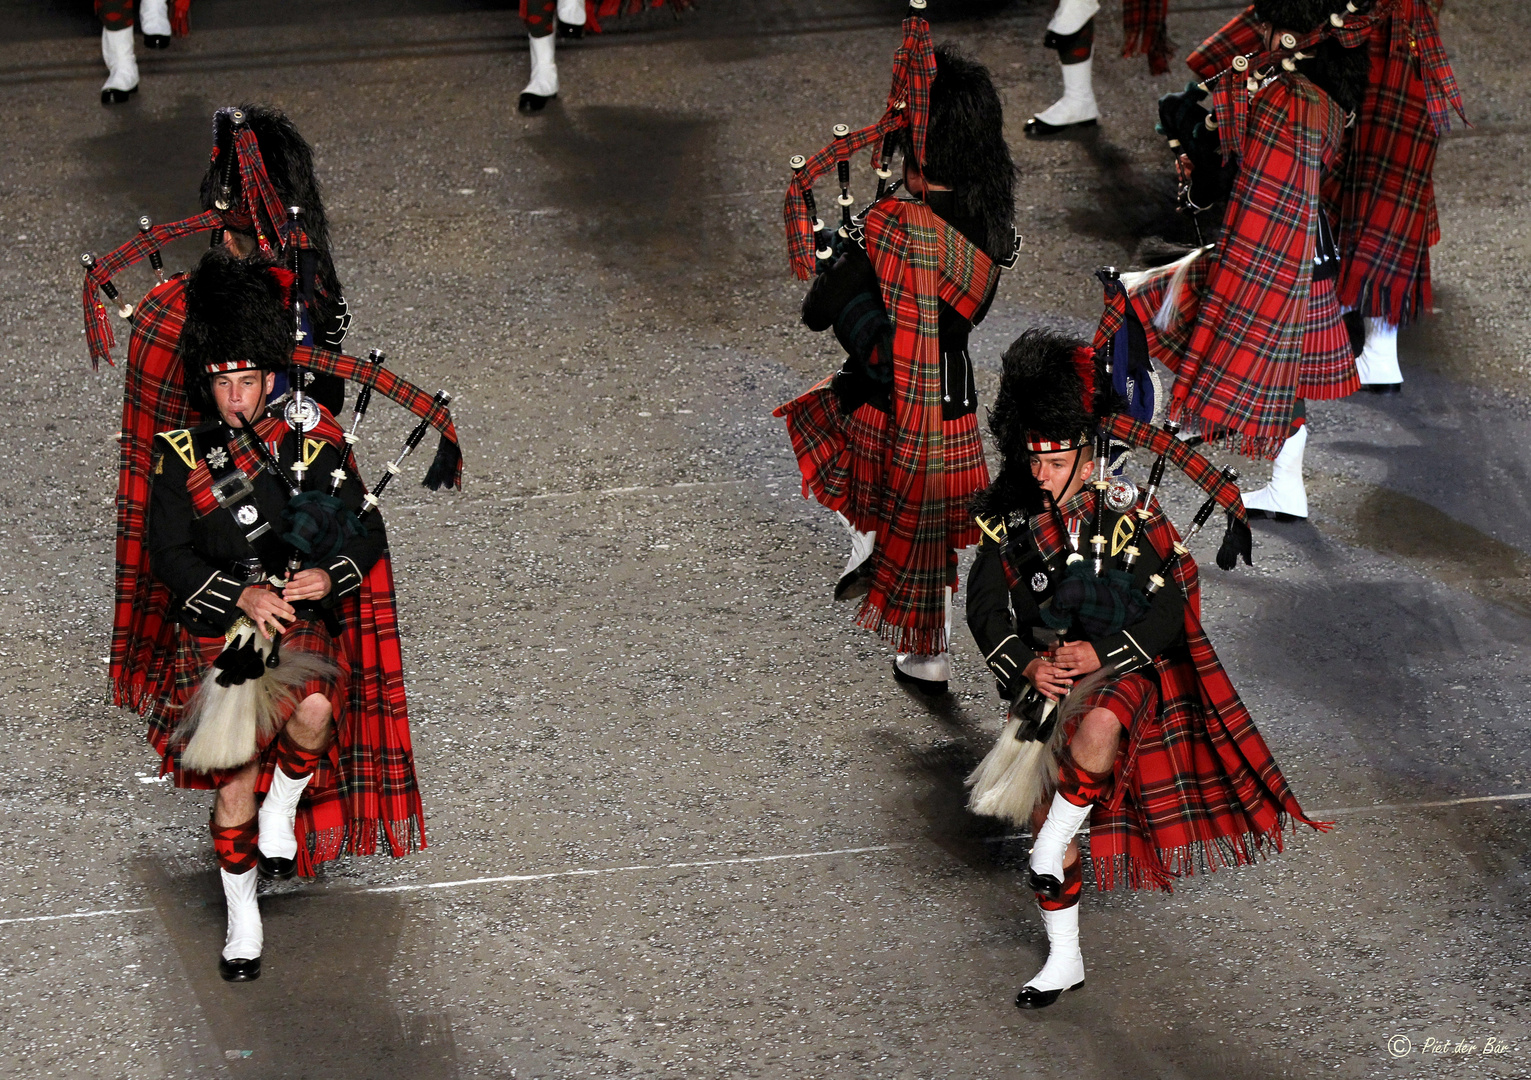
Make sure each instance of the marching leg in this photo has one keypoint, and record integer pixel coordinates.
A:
(1072, 34)
(121, 66)
(571, 19)
(852, 582)
(154, 21)
(278, 846)
(543, 85)
(243, 939)
(929, 673)
(1064, 969)
(1285, 498)
(1078, 788)
(1378, 363)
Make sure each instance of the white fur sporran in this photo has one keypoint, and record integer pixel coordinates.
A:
(1018, 773)
(224, 725)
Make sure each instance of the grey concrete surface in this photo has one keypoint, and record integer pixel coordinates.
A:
(681, 821)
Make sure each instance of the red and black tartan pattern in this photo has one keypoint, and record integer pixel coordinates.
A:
(1328, 368)
(910, 475)
(914, 69)
(117, 14)
(379, 796)
(235, 845)
(1237, 373)
(322, 815)
(1192, 463)
(1195, 788)
(1387, 211)
(1145, 32)
(540, 15)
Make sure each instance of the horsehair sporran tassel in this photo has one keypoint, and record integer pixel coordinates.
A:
(223, 723)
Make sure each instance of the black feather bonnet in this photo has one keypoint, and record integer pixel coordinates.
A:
(1053, 390)
(236, 313)
(965, 147)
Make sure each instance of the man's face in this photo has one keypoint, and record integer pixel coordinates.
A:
(1058, 475)
(244, 392)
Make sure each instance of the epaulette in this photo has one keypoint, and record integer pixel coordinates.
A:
(180, 442)
(993, 528)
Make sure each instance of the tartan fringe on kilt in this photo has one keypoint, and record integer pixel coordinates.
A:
(1195, 788)
(1328, 368)
(843, 461)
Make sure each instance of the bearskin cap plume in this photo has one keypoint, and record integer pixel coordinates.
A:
(236, 309)
(1051, 385)
(1337, 71)
(965, 147)
(289, 162)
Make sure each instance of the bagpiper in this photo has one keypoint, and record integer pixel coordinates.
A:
(1251, 323)
(1387, 212)
(254, 624)
(1086, 602)
(890, 442)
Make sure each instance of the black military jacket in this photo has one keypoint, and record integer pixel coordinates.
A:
(847, 297)
(1003, 620)
(205, 560)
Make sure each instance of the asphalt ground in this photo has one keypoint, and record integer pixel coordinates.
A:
(681, 821)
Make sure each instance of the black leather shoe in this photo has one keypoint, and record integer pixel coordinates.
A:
(156, 41)
(928, 687)
(853, 584)
(1272, 515)
(1383, 387)
(117, 97)
(1041, 129)
(239, 970)
(1032, 998)
(533, 103)
(281, 869)
(1045, 885)
(571, 31)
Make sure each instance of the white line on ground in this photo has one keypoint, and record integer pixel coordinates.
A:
(76, 915)
(741, 861)
(746, 860)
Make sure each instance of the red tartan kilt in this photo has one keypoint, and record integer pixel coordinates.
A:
(966, 474)
(321, 814)
(1189, 790)
(1328, 367)
(1126, 697)
(844, 461)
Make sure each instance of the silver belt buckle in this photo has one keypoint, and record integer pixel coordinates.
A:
(232, 488)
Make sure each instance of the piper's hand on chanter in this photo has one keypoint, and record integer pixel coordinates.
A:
(266, 609)
(1076, 658)
(1049, 679)
(311, 584)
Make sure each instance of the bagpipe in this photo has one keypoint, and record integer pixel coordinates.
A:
(811, 243)
(1097, 595)
(319, 522)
